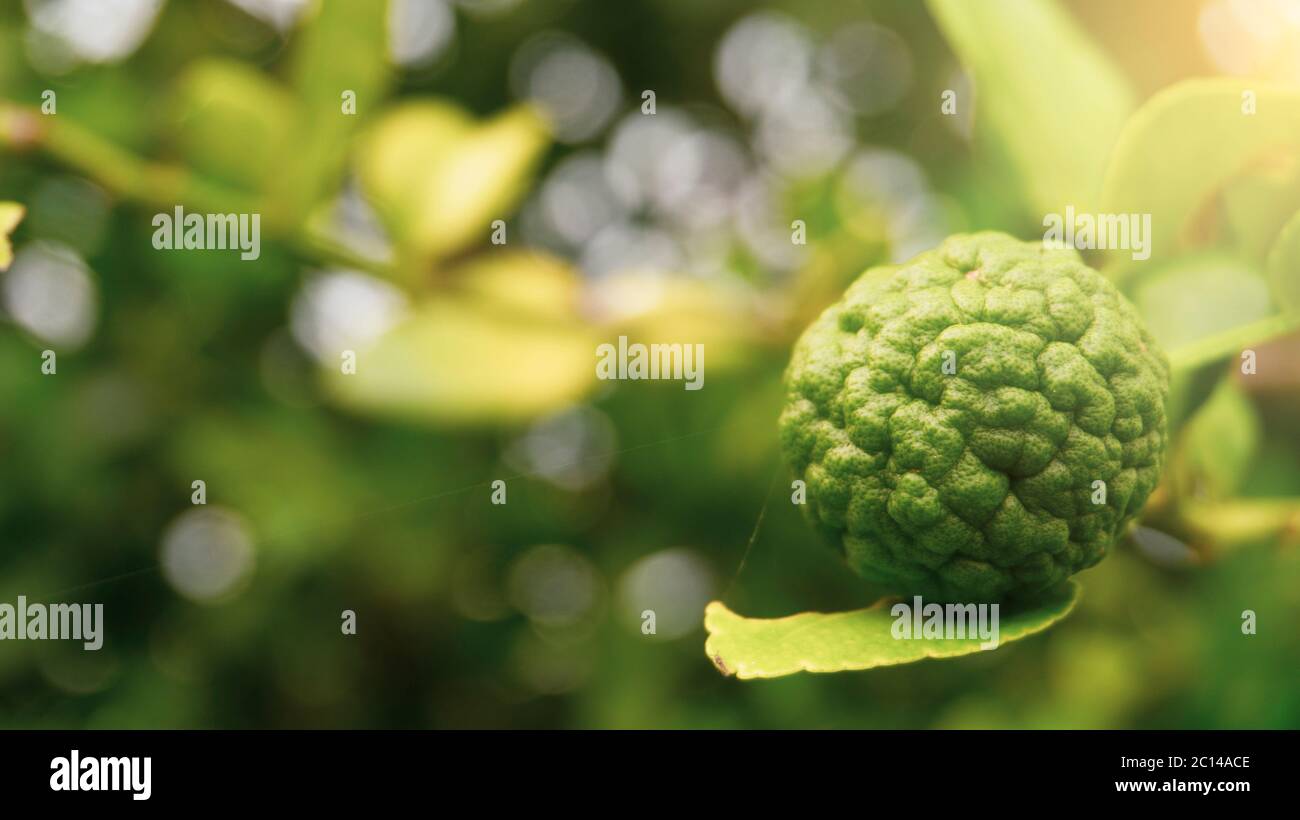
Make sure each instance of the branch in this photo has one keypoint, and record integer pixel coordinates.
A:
(157, 184)
(1230, 342)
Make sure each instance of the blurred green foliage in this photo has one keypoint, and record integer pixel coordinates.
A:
(373, 493)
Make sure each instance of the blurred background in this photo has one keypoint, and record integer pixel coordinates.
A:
(664, 217)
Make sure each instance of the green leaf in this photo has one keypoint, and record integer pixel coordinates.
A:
(1189, 389)
(1186, 143)
(281, 472)
(1284, 266)
(850, 641)
(1200, 297)
(460, 361)
(1219, 444)
(402, 150)
(1204, 308)
(233, 123)
(528, 282)
(11, 213)
(1231, 342)
(1257, 205)
(653, 309)
(342, 49)
(1025, 56)
(1241, 521)
(438, 178)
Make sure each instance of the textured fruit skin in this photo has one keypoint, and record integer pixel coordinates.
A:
(976, 485)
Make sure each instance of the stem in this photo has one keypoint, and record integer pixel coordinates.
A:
(1203, 351)
(152, 183)
(314, 244)
(115, 168)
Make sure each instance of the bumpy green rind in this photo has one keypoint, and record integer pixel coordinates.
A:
(950, 416)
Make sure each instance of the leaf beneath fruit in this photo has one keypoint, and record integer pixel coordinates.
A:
(851, 641)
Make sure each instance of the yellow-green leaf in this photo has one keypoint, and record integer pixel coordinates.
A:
(1205, 307)
(11, 213)
(439, 179)
(403, 148)
(338, 59)
(1258, 204)
(457, 361)
(850, 641)
(342, 48)
(1186, 143)
(233, 123)
(1044, 91)
(529, 282)
(650, 308)
(1240, 521)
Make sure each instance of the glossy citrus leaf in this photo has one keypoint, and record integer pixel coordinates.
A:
(439, 179)
(1257, 205)
(528, 282)
(1219, 444)
(1200, 296)
(339, 76)
(484, 177)
(1024, 57)
(342, 47)
(1186, 143)
(11, 213)
(1204, 308)
(651, 308)
(1205, 350)
(233, 123)
(850, 641)
(459, 361)
(401, 150)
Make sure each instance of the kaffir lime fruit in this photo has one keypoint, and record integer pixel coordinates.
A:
(978, 423)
